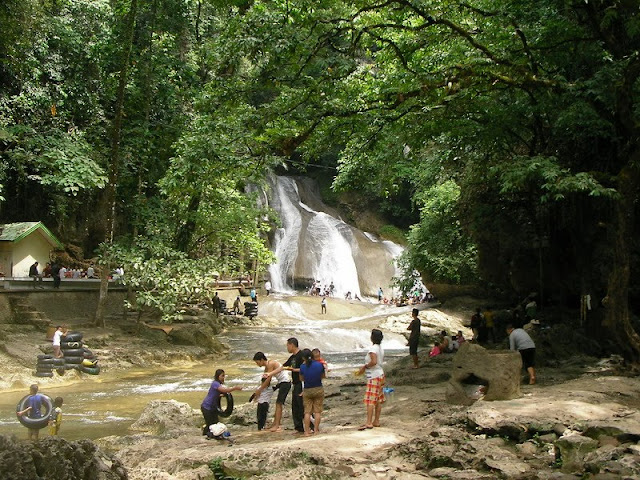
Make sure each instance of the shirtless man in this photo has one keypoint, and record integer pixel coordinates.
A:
(283, 385)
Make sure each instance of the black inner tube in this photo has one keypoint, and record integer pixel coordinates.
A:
(227, 411)
(35, 423)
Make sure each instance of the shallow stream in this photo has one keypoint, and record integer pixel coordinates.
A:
(109, 403)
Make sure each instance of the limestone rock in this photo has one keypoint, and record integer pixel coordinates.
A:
(498, 371)
(55, 458)
(161, 416)
(572, 450)
(197, 335)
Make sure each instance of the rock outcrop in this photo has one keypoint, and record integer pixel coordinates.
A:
(160, 416)
(54, 458)
(481, 373)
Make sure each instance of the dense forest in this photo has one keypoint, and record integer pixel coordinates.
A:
(503, 137)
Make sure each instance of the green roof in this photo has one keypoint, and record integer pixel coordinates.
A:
(14, 232)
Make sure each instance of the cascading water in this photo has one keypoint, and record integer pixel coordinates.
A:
(314, 245)
(286, 237)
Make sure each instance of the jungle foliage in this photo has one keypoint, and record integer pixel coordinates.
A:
(507, 132)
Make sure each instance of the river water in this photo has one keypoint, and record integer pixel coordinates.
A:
(109, 403)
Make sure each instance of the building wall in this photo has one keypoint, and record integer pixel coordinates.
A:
(6, 258)
(33, 248)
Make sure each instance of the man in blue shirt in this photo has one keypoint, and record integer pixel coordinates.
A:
(33, 410)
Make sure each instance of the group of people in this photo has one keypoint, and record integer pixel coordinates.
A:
(301, 375)
(415, 297)
(519, 339)
(58, 271)
(320, 290)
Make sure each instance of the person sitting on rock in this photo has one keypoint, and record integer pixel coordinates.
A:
(435, 351)
(445, 342)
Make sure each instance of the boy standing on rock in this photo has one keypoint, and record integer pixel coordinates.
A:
(56, 341)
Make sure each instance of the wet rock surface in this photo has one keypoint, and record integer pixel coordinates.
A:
(575, 428)
(580, 421)
(54, 458)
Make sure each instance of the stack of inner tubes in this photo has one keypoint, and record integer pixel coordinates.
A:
(47, 364)
(77, 356)
(223, 307)
(251, 309)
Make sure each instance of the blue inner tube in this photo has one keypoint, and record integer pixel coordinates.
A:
(35, 423)
(227, 411)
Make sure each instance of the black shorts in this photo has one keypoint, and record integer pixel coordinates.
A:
(528, 357)
(283, 390)
(413, 347)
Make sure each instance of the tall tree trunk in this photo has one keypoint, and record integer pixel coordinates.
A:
(616, 323)
(188, 228)
(114, 161)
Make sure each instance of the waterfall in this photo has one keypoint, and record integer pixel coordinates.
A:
(314, 244)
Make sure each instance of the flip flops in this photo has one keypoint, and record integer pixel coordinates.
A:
(365, 427)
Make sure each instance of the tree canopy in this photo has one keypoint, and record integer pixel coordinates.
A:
(507, 133)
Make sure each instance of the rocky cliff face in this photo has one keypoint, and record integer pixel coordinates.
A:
(54, 458)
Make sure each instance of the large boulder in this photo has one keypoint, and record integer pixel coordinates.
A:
(198, 335)
(54, 458)
(572, 450)
(165, 416)
(481, 373)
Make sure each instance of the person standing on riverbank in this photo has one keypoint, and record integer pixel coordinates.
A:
(323, 305)
(521, 341)
(283, 385)
(374, 395)
(311, 373)
(414, 337)
(293, 364)
(211, 402)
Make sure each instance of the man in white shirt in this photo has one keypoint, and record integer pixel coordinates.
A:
(56, 342)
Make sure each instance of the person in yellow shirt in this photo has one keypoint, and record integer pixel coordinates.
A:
(56, 417)
(490, 325)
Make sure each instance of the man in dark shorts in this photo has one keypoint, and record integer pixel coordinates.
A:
(414, 337)
(293, 364)
(272, 368)
(521, 341)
